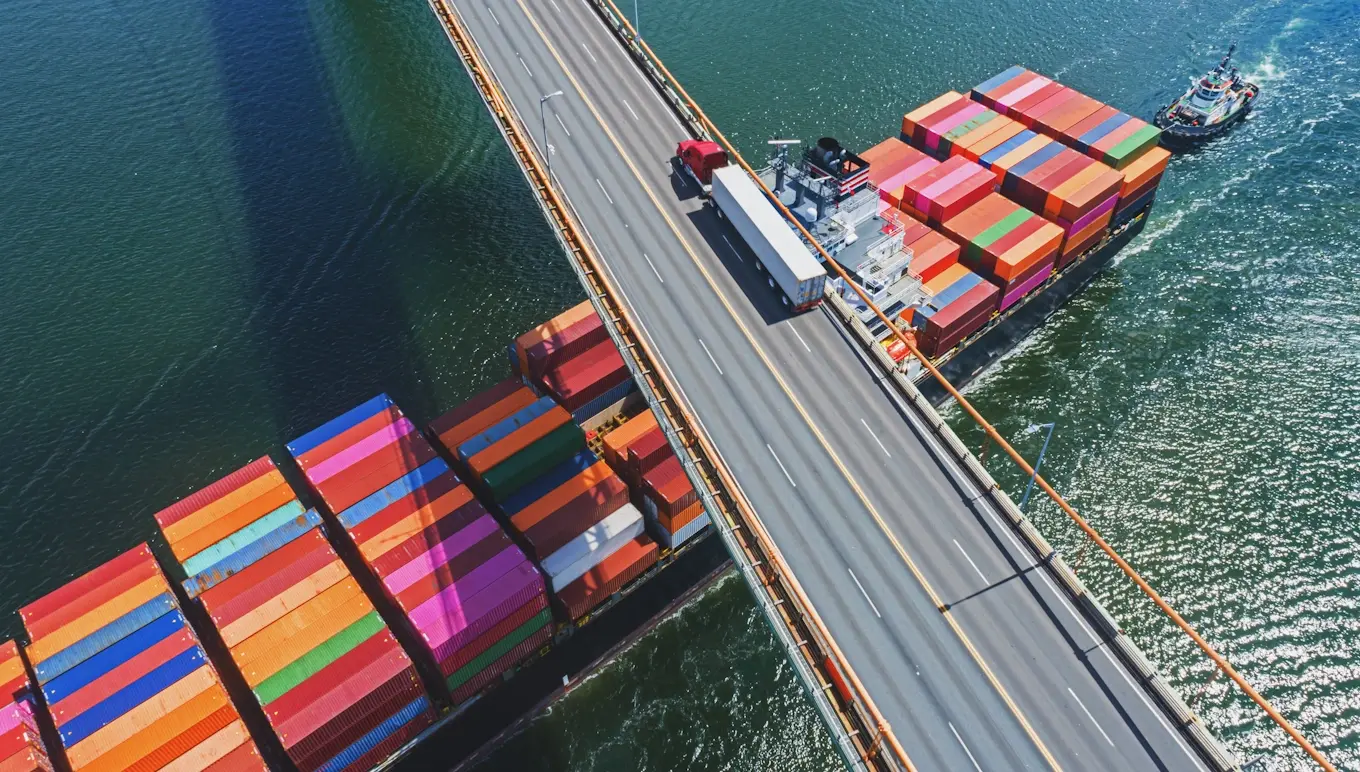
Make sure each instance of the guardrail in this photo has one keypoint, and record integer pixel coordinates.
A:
(1190, 723)
(861, 735)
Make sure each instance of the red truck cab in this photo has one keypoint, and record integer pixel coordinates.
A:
(699, 157)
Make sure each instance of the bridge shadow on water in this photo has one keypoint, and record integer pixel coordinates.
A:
(328, 322)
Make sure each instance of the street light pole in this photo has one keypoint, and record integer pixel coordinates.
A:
(1038, 462)
(637, 22)
(543, 119)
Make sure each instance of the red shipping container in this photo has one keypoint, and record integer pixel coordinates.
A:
(433, 534)
(1038, 110)
(315, 689)
(599, 583)
(452, 663)
(79, 591)
(357, 720)
(991, 98)
(341, 695)
(458, 567)
(392, 743)
(1017, 109)
(931, 255)
(345, 490)
(493, 671)
(250, 589)
(984, 296)
(1059, 120)
(578, 381)
(1136, 195)
(646, 453)
(669, 488)
(202, 498)
(443, 485)
(121, 675)
(501, 610)
(574, 519)
(565, 345)
(477, 404)
(388, 416)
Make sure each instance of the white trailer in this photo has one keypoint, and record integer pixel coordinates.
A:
(779, 250)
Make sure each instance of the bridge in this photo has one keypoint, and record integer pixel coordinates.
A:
(931, 625)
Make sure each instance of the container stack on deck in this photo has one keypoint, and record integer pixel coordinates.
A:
(127, 682)
(573, 514)
(639, 450)
(1116, 139)
(572, 358)
(468, 593)
(336, 687)
(21, 745)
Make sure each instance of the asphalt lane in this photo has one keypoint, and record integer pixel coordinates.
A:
(1079, 701)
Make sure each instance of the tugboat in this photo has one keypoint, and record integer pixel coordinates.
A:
(1214, 102)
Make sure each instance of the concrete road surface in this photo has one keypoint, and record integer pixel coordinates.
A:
(876, 522)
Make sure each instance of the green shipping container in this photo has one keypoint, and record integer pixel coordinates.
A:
(1134, 147)
(552, 449)
(1003, 226)
(313, 661)
(498, 649)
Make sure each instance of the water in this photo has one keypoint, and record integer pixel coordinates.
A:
(226, 222)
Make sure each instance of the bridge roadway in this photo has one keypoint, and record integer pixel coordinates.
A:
(868, 511)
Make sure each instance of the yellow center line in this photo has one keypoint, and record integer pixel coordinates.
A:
(821, 438)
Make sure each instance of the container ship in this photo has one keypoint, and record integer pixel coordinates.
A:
(385, 595)
(968, 229)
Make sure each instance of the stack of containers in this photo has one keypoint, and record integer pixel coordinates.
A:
(515, 450)
(1102, 132)
(127, 682)
(467, 592)
(892, 164)
(1008, 244)
(1073, 190)
(21, 745)
(336, 687)
(945, 191)
(1141, 179)
(940, 329)
(668, 498)
(572, 358)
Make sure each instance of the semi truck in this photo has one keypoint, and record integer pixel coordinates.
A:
(735, 197)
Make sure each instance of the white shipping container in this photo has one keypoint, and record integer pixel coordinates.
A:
(686, 532)
(780, 251)
(588, 550)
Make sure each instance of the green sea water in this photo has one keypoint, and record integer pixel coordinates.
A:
(224, 223)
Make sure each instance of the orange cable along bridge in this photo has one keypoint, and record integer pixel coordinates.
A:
(930, 623)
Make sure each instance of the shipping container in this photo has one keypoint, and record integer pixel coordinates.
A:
(21, 744)
(543, 333)
(594, 545)
(944, 192)
(534, 460)
(338, 424)
(547, 482)
(644, 454)
(463, 423)
(567, 343)
(518, 440)
(576, 517)
(599, 583)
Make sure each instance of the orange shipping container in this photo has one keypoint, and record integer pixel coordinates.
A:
(93, 598)
(154, 746)
(457, 435)
(1082, 192)
(274, 608)
(203, 755)
(304, 641)
(976, 147)
(61, 638)
(1005, 162)
(1043, 243)
(295, 621)
(519, 439)
(144, 715)
(1143, 169)
(234, 500)
(979, 217)
(1080, 240)
(616, 442)
(549, 329)
(946, 279)
(231, 522)
(531, 515)
(396, 534)
(683, 518)
(910, 120)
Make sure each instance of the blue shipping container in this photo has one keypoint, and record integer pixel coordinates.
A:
(999, 152)
(104, 637)
(1106, 126)
(95, 667)
(384, 730)
(1037, 159)
(997, 80)
(237, 561)
(242, 538)
(336, 425)
(955, 291)
(402, 486)
(107, 711)
(503, 428)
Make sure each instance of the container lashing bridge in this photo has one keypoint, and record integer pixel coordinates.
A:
(931, 624)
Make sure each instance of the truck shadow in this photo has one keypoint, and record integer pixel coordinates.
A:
(757, 286)
(682, 187)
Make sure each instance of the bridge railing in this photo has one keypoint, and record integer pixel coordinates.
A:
(1171, 702)
(863, 739)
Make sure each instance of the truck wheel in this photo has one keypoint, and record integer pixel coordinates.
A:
(760, 267)
(719, 212)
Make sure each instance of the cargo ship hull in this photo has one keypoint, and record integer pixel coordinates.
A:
(976, 355)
